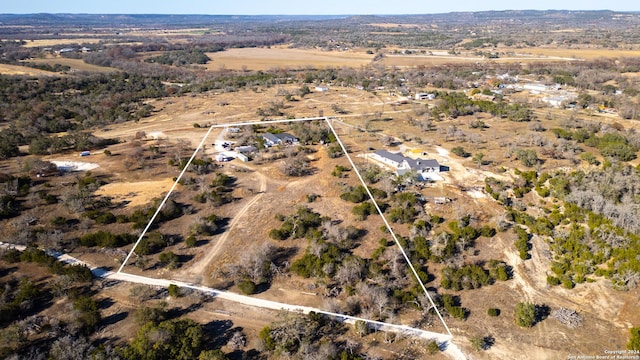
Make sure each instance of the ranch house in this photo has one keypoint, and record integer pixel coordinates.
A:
(425, 169)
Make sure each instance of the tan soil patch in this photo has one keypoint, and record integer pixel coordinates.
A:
(135, 193)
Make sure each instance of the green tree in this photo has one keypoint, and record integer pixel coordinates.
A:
(89, 316)
(527, 157)
(179, 339)
(174, 290)
(634, 340)
(525, 314)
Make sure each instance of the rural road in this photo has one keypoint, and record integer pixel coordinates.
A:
(447, 346)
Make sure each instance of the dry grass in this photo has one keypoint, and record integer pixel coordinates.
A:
(135, 193)
(74, 64)
(577, 53)
(23, 70)
(282, 57)
(58, 42)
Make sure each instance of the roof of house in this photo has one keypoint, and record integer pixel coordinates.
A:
(397, 157)
(415, 164)
(271, 137)
(275, 138)
(419, 164)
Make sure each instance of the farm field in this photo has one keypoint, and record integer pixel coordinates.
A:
(283, 57)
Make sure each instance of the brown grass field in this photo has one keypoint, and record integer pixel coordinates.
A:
(59, 42)
(74, 64)
(6, 69)
(283, 57)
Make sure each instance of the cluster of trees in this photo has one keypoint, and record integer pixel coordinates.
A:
(22, 299)
(27, 333)
(474, 276)
(308, 336)
(71, 104)
(455, 104)
(614, 144)
(221, 187)
(180, 57)
(304, 223)
(595, 225)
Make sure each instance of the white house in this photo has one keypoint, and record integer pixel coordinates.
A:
(222, 157)
(424, 96)
(535, 87)
(271, 139)
(425, 169)
(321, 88)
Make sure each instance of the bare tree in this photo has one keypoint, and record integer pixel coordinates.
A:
(350, 271)
(238, 341)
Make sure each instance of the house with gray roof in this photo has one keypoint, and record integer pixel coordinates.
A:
(426, 169)
(271, 139)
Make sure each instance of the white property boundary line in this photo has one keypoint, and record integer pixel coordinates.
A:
(344, 149)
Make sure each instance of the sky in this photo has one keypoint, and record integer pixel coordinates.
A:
(301, 7)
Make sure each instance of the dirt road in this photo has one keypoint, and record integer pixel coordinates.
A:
(198, 268)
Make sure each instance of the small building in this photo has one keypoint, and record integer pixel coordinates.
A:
(271, 139)
(424, 96)
(426, 169)
(222, 157)
(321, 88)
(242, 157)
(234, 130)
(245, 149)
(535, 87)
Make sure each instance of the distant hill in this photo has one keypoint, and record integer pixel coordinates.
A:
(147, 19)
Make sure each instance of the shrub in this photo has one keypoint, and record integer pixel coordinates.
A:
(247, 287)
(525, 314)
(460, 151)
(527, 157)
(433, 347)
(174, 290)
(552, 280)
(493, 312)
(634, 340)
(190, 241)
(169, 259)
